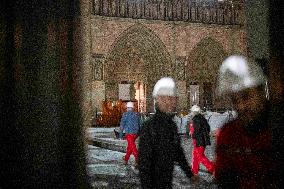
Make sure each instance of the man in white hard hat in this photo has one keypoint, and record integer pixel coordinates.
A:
(244, 145)
(159, 145)
(199, 132)
(130, 124)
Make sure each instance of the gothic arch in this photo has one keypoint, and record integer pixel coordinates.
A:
(204, 60)
(138, 55)
(140, 51)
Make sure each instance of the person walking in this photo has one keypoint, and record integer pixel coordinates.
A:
(244, 146)
(159, 145)
(130, 124)
(199, 132)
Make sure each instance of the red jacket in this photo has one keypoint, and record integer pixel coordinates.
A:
(243, 159)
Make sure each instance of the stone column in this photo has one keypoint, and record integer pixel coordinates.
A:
(257, 15)
(149, 98)
(82, 42)
(41, 129)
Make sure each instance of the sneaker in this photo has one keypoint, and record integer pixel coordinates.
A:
(136, 165)
(211, 172)
(116, 134)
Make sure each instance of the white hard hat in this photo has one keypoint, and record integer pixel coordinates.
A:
(237, 74)
(195, 108)
(165, 87)
(130, 105)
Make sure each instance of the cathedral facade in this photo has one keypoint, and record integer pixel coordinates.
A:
(135, 43)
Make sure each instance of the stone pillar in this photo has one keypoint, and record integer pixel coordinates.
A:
(257, 15)
(98, 85)
(40, 120)
(201, 94)
(149, 98)
(182, 95)
(82, 42)
(98, 96)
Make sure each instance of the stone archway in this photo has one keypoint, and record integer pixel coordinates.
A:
(203, 66)
(138, 55)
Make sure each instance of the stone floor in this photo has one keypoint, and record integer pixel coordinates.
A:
(106, 170)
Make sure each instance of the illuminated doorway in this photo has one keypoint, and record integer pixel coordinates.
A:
(140, 96)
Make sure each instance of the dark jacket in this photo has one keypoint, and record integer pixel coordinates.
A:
(159, 148)
(201, 130)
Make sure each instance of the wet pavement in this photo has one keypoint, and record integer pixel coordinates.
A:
(106, 170)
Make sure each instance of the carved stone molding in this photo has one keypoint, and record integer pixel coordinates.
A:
(97, 67)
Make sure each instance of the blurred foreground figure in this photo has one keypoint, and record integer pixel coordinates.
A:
(159, 145)
(244, 145)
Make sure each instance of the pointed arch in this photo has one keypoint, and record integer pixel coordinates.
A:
(138, 49)
(204, 62)
(205, 59)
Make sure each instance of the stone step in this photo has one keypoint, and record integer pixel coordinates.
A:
(108, 145)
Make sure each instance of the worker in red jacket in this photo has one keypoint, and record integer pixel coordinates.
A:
(243, 151)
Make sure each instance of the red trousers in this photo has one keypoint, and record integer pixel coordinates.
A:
(199, 157)
(131, 146)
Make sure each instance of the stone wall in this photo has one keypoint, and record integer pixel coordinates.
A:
(188, 52)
